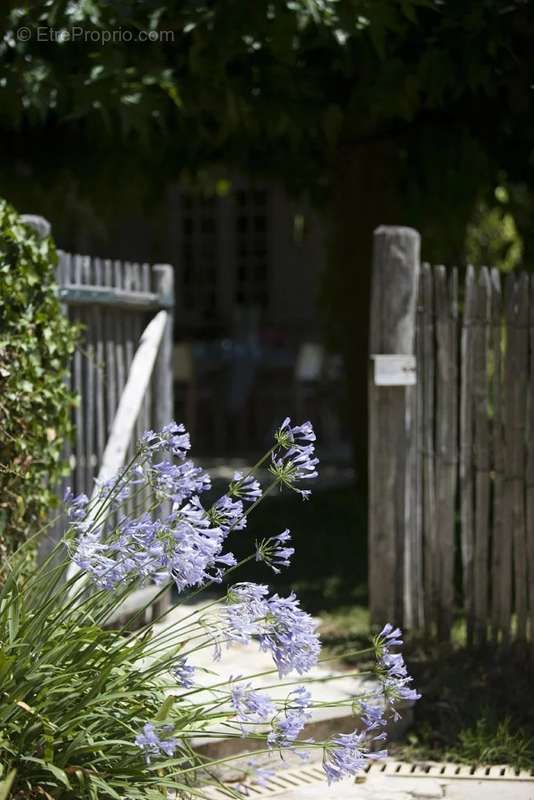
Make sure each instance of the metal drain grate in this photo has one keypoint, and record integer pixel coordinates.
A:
(290, 779)
(280, 782)
(403, 769)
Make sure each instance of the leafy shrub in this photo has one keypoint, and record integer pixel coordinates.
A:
(35, 344)
(87, 711)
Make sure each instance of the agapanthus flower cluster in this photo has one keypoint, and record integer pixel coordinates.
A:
(177, 482)
(288, 728)
(76, 506)
(294, 460)
(288, 725)
(347, 754)
(156, 741)
(172, 438)
(187, 545)
(274, 551)
(245, 488)
(395, 680)
(183, 672)
(180, 539)
(279, 624)
(251, 706)
(228, 514)
(288, 436)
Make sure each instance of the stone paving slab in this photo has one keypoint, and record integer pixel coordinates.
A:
(377, 787)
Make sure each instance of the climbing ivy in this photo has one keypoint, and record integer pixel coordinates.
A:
(36, 342)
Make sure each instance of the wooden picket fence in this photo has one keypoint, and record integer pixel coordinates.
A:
(459, 498)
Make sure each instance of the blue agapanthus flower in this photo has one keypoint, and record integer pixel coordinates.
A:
(347, 754)
(178, 482)
(274, 551)
(289, 725)
(392, 670)
(228, 514)
(183, 672)
(279, 624)
(186, 546)
(245, 488)
(250, 705)
(156, 741)
(288, 435)
(172, 438)
(76, 505)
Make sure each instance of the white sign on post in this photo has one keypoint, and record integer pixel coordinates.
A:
(395, 370)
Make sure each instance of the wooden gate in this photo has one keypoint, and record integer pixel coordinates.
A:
(451, 465)
(121, 372)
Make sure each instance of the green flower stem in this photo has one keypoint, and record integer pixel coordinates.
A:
(273, 671)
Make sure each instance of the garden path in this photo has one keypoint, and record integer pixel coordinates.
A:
(383, 782)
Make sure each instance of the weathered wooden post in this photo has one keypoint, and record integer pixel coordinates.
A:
(393, 524)
(163, 376)
(163, 395)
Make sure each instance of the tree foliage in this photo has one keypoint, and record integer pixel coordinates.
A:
(273, 85)
(36, 342)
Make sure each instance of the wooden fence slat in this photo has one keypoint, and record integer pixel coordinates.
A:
(515, 375)
(530, 469)
(431, 576)
(110, 369)
(129, 349)
(481, 455)
(446, 300)
(119, 335)
(418, 549)
(129, 281)
(63, 269)
(510, 402)
(413, 595)
(137, 328)
(498, 586)
(466, 448)
(78, 390)
(88, 396)
(146, 286)
(100, 415)
(520, 539)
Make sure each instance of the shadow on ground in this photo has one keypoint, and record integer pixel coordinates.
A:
(329, 534)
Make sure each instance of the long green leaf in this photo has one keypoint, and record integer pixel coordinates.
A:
(7, 783)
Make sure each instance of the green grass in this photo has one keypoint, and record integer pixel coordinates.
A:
(487, 743)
